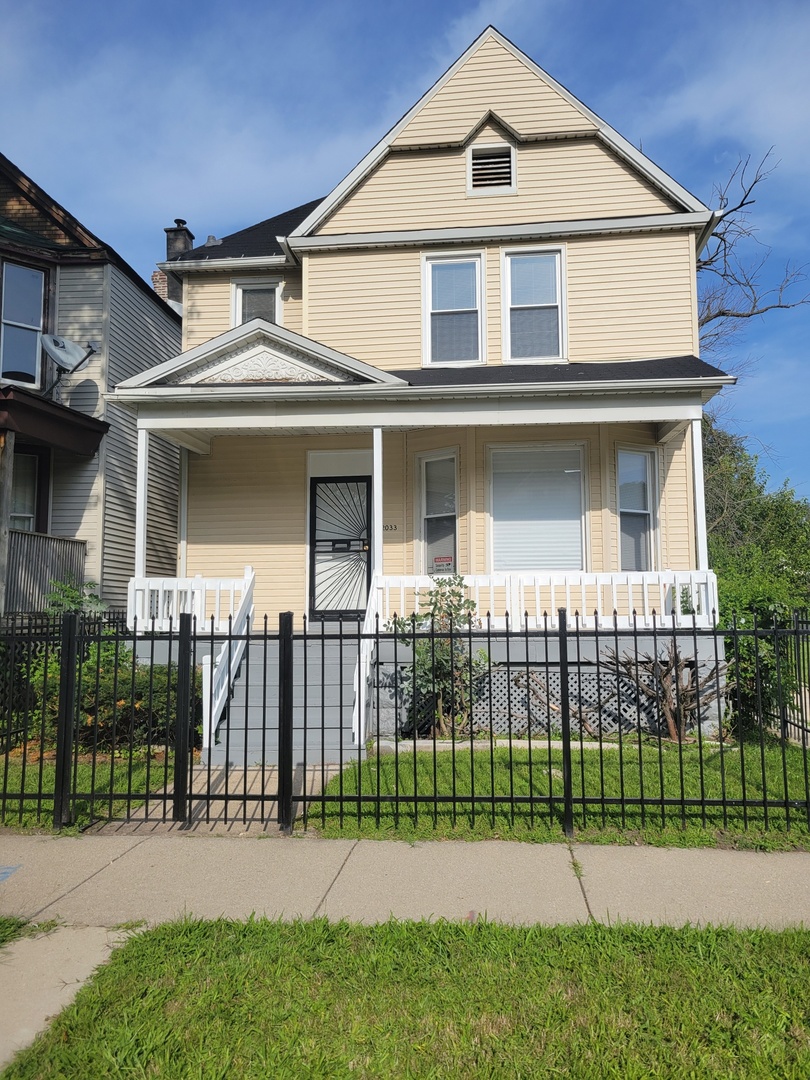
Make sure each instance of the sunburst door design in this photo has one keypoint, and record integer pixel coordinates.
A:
(340, 545)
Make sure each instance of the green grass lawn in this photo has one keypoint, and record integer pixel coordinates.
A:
(659, 770)
(21, 806)
(313, 999)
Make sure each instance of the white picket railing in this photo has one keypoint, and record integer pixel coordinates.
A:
(686, 596)
(218, 675)
(157, 602)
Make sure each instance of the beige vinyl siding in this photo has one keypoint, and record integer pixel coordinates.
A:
(555, 182)
(677, 505)
(206, 308)
(492, 78)
(627, 297)
(367, 304)
(208, 304)
(77, 484)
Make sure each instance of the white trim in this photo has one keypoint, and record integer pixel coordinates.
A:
(182, 515)
(653, 461)
(141, 502)
(377, 503)
(701, 537)
(240, 284)
(567, 444)
(420, 460)
(493, 234)
(478, 258)
(479, 149)
(506, 303)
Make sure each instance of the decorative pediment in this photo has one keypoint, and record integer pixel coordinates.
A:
(259, 362)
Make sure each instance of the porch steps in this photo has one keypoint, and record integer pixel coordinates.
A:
(323, 701)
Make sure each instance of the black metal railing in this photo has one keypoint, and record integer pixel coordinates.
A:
(417, 726)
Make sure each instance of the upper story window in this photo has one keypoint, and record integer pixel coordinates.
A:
(533, 306)
(453, 310)
(491, 170)
(22, 302)
(635, 509)
(256, 299)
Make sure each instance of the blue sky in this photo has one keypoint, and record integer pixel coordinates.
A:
(133, 113)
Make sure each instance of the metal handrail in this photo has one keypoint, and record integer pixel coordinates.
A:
(220, 674)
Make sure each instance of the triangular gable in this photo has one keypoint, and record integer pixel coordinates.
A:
(25, 203)
(453, 107)
(491, 125)
(259, 352)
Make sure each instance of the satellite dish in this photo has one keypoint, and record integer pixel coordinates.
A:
(66, 354)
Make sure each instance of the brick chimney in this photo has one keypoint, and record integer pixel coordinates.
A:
(179, 238)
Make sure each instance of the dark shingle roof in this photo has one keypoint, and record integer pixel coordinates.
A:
(256, 241)
(669, 367)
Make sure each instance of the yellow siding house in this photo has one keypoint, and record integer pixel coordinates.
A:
(477, 355)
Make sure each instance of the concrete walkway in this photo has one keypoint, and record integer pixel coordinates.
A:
(93, 885)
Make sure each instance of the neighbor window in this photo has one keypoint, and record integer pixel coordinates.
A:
(24, 493)
(21, 309)
(454, 330)
(635, 509)
(533, 328)
(439, 514)
(256, 300)
(537, 508)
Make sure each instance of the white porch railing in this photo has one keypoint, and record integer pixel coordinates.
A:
(534, 599)
(363, 669)
(218, 675)
(157, 602)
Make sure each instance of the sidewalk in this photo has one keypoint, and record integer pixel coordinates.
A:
(94, 884)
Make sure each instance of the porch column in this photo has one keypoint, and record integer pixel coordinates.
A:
(377, 505)
(141, 496)
(701, 540)
(6, 475)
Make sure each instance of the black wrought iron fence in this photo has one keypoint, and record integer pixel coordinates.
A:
(485, 727)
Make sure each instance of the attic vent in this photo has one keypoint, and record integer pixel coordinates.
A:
(492, 167)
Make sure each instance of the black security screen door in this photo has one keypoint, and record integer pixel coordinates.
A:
(339, 545)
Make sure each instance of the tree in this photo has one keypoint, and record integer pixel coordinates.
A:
(734, 265)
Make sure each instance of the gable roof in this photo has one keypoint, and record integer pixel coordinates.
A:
(259, 352)
(256, 241)
(587, 122)
(69, 239)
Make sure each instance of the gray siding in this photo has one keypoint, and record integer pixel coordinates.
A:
(141, 334)
(77, 483)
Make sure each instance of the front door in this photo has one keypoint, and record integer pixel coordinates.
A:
(339, 545)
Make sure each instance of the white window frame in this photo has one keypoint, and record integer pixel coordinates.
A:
(653, 459)
(37, 384)
(428, 261)
(506, 291)
(494, 189)
(582, 446)
(239, 285)
(419, 503)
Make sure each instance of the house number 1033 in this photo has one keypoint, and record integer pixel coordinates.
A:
(390, 528)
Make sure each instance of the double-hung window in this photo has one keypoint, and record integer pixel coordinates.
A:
(537, 508)
(454, 323)
(532, 315)
(256, 299)
(22, 297)
(635, 509)
(438, 482)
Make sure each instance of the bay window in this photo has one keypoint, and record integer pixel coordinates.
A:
(22, 299)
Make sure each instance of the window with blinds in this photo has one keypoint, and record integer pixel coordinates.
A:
(537, 509)
(256, 299)
(439, 514)
(635, 510)
(533, 299)
(454, 310)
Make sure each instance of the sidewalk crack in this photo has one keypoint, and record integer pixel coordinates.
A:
(334, 879)
(89, 877)
(576, 866)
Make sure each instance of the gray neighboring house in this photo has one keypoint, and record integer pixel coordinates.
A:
(67, 452)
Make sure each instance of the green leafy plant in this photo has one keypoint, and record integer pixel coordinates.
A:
(121, 703)
(443, 682)
(73, 597)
